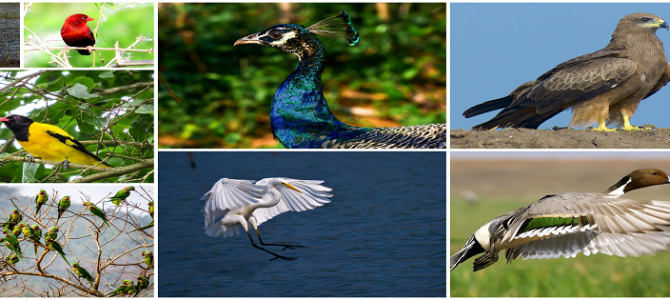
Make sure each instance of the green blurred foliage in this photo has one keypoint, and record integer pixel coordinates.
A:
(398, 69)
(84, 102)
(122, 22)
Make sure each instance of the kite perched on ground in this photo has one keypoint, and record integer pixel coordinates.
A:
(604, 86)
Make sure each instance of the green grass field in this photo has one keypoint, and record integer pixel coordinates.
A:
(584, 276)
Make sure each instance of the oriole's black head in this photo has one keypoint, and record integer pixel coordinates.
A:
(294, 38)
(16, 123)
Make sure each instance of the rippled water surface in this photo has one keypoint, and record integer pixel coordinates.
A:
(382, 234)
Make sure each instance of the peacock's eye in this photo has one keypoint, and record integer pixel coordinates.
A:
(275, 34)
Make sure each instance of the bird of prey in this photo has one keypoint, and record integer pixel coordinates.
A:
(605, 86)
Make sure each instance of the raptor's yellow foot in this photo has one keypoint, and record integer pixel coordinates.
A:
(603, 128)
(631, 128)
(628, 127)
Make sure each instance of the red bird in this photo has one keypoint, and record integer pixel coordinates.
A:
(76, 33)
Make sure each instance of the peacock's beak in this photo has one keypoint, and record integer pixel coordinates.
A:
(249, 39)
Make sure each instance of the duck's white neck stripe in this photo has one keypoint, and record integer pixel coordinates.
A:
(483, 236)
(619, 191)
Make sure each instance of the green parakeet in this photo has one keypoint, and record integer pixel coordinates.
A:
(30, 233)
(27, 231)
(10, 259)
(81, 272)
(98, 212)
(123, 289)
(131, 289)
(142, 283)
(52, 233)
(122, 195)
(63, 205)
(40, 200)
(17, 231)
(54, 245)
(14, 219)
(12, 242)
(37, 234)
(148, 258)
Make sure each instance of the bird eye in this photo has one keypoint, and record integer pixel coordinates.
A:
(645, 19)
(16, 118)
(655, 173)
(275, 34)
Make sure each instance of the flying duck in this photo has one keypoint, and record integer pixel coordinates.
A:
(568, 223)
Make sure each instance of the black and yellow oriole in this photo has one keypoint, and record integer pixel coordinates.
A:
(49, 142)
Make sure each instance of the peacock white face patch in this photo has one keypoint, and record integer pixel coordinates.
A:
(285, 37)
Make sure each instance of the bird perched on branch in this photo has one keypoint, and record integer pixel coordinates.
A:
(81, 272)
(148, 258)
(55, 245)
(63, 205)
(40, 200)
(76, 33)
(231, 203)
(605, 86)
(300, 116)
(121, 195)
(14, 220)
(49, 142)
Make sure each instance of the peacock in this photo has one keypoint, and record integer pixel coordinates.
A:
(300, 117)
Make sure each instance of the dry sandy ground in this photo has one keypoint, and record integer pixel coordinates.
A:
(529, 180)
(567, 138)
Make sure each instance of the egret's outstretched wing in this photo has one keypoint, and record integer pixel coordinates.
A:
(227, 194)
(312, 195)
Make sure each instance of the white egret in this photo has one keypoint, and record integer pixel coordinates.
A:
(235, 202)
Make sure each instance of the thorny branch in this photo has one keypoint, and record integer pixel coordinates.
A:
(115, 258)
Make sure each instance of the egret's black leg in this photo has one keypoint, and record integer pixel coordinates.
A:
(281, 245)
(276, 255)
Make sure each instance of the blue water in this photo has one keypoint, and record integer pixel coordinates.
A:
(382, 234)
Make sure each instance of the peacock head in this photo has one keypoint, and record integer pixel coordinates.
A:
(297, 39)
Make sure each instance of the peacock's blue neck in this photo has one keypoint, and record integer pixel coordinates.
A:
(300, 116)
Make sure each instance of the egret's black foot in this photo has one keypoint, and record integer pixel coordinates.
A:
(291, 247)
(282, 257)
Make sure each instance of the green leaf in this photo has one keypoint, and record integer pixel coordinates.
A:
(86, 81)
(106, 74)
(29, 170)
(80, 91)
(86, 127)
(145, 109)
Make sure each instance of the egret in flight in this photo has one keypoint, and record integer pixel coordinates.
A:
(235, 202)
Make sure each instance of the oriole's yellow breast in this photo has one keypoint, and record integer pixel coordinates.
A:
(44, 145)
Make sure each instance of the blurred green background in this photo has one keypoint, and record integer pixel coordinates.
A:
(396, 75)
(122, 22)
(82, 113)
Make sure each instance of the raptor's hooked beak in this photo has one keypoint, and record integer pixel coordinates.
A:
(249, 39)
(663, 24)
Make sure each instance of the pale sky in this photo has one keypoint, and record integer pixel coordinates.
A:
(97, 191)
